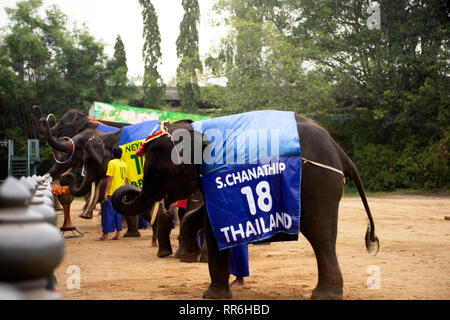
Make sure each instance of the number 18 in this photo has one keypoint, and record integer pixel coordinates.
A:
(264, 197)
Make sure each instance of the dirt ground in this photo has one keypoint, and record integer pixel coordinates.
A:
(413, 262)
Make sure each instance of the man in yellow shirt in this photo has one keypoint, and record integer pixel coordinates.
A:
(117, 175)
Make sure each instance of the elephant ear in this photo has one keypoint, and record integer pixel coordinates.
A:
(198, 139)
(96, 149)
(80, 123)
(195, 202)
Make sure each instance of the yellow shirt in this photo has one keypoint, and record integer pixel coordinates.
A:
(118, 170)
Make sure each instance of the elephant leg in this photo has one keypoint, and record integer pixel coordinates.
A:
(319, 221)
(204, 252)
(180, 212)
(218, 265)
(154, 243)
(189, 227)
(132, 224)
(87, 215)
(91, 201)
(163, 229)
(56, 204)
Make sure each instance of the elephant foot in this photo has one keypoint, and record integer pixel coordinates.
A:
(189, 256)
(204, 257)
(86, 215)
(189, 260)
(177, 254)
(164, 252)
(217, 293)
(327, 294)
(132, 234)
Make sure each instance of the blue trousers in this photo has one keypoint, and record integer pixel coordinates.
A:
(142, 223)
(112, 220)
(239, 266)
(239, 261)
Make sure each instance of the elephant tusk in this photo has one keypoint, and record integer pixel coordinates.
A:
(97, 195)
(68, 170)
(91, 197)
(154, 213)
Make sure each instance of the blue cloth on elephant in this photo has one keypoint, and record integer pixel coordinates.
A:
(106, 129)
(251, 176)
(112, 220)
(138, 131)
(248, 137)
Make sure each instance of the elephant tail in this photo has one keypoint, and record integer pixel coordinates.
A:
(372, 241)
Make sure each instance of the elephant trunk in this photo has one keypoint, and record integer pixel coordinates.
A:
(84, 188)
(140, 204)
(59, 169)
(65, 147)
(41, 128)
(38, 114)
(37, 111)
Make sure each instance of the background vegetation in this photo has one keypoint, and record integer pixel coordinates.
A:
(383, 94)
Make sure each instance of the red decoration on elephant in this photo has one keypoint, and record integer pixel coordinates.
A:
(162, 131)
(94, 120)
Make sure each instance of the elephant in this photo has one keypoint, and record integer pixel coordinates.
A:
(73, 122)
(94, 151)
(321, 191)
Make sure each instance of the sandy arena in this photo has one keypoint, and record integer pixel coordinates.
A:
(413, 262)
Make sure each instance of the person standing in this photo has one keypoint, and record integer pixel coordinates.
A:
(116, 177)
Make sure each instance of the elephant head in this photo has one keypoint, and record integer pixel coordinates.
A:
(163, 178)
(95, 162)
(72, 122)
(88, 149)
(66, 147)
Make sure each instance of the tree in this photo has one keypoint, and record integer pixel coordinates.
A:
(153, 85)
(117, 74)
(188, 51)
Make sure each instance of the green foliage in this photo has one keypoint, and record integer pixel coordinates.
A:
(188, 51)
(376, 164)
(384, 168)
(153, 85)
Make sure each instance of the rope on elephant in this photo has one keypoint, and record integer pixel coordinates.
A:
(326, 167)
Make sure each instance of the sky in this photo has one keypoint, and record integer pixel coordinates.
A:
(106, 19)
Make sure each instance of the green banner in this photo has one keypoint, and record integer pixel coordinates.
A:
(131, 115)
